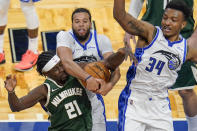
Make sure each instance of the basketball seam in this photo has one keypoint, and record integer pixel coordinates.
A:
(94, 71)
(101, 70)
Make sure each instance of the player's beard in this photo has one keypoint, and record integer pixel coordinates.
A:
(81, 38)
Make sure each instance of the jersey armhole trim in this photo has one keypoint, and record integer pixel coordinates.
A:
(97, 47)
(185, 50)
(48, 95)
(156, 36)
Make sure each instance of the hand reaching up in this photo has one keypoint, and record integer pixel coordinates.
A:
(127, 45)
(10, 83)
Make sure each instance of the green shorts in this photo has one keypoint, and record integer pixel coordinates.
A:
(187, 77)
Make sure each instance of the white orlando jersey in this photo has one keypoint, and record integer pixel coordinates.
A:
(91, 51)
(158, 65)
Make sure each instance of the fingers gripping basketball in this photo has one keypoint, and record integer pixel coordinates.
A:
(97, 70)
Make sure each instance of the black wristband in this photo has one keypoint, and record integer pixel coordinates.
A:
(87, 78)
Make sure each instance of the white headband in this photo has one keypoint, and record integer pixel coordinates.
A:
(49, 65)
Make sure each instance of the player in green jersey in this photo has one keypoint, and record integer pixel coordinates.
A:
(63, 96)
(188, 73)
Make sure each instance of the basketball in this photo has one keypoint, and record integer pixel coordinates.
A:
(97, 70)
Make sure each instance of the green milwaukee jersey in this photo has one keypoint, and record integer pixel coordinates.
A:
(155, 10)
(187, 77)
(68, 106)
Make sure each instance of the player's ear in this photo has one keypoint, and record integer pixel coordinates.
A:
(45, 74)
(183, 24)
(90, 24)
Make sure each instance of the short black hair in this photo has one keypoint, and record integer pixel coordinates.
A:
(181, 6)
(43, 59)
(79, 10)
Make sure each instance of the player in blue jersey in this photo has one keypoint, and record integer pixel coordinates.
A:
(143, 104)
(30, 57)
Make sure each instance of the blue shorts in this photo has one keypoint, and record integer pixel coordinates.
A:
(29, 0)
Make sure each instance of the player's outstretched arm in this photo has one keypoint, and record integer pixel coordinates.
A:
(134, 9)
(115, 71)
(115, 59)
(131, 24)
(38, 94)
(192, 47)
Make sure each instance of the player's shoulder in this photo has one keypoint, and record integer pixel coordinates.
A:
(63, 33)
(102, 37)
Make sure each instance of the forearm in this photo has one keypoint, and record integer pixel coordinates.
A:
(115, 59)
(14, 103)
(131, 24)
(115, 76)
(69, 65)
(74, 69)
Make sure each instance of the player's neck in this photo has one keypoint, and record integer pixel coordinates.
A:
(84, 41)
(174, 38)
(61, 83)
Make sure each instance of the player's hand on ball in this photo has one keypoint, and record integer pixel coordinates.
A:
(105, 88)
(92, 84)
(10, 83)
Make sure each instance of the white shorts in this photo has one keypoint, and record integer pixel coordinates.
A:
(4, 5)
(140, 112)
(192, 123)
(98, 112)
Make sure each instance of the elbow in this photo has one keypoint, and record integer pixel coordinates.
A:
(14, 109)
(117, 16)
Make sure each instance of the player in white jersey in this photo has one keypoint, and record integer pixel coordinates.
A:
(187, 76)
(143, 104)
(29, 59)
(83, 44)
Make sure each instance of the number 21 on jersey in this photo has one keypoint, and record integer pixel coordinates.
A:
(73, 109)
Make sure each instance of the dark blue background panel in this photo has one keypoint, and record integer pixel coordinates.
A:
(18, 38)
(49, 40)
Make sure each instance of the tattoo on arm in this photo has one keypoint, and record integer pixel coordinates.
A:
(135, 27)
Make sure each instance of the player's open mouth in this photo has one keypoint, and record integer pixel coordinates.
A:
(81, 31)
